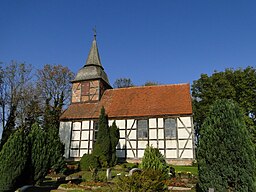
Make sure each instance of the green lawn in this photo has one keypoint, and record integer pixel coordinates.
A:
(192, 169)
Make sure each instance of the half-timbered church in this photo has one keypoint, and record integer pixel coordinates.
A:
(159, 115)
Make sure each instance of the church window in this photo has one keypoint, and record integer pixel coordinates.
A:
(142, 129)
(170, 128)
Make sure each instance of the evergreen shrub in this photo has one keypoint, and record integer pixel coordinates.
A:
(149, 180)
(89, 162)
(153, 159)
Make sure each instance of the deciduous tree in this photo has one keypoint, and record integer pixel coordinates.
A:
(54, 84)
(15, 93)
(238, 85)
(151, 83)
(123, 82)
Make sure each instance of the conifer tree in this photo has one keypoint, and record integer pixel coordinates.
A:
(26, 158)
(226, 160)
(114, 138)
(13, 161)
(46, 152)
(107, 139)
(39, 154)
(102, 145)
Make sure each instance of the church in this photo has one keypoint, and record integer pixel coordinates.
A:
(159, 115)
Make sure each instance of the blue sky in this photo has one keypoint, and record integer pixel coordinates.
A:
(167, 41)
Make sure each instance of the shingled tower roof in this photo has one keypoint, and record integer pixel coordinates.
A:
(92, 68)
(94, 57)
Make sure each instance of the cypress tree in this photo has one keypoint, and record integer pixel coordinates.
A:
(107, 139)
(103, 145)
(46, 152)
(13, 161)
(55, 149)
(226, 160)
(114, 138)
(39, 154)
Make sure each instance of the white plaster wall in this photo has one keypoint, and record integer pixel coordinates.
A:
(185, 120)
(153, 143)
(183, 142)
(130, 154)
(152, 123)
(110, 122)
(183, 133)
(160, 133)
(161, 144)
(74, 153)
(74, 144)
(77, 126)
(91, 135)
(171, 144)
(142, 144)
(161, 151)
(75, 135)
(131, 144)
(188, 153)
(130, 123)
(85, 135)
(122, 133)
(64, 133)
(140, 153)
(84, 144)
(85, 124)
(91, 124)
(120, 124)
(171, 154)
(152, 133)
(82, 152)
(132, 134)
(90, 145)
(160, 122)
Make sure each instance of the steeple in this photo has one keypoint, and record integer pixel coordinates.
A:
(91, 80)
(93, 57)
(92, 68)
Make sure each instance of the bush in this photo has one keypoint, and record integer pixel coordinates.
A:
(149, 180)
(89, 162)
(153, 159)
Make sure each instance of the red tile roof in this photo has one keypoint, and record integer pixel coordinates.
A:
(136, 102)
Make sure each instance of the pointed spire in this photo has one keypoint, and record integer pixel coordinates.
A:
(94, 57)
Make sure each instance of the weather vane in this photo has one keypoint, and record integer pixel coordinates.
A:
(94, 32)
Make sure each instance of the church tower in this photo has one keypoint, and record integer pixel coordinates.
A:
(91, 81)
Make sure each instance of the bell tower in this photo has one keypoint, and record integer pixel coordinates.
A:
(91, 80)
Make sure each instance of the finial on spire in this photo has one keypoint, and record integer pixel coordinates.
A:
(94, 32)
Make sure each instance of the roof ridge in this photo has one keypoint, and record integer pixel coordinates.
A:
(143, 86)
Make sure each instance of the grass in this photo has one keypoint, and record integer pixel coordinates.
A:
(86, 176)
(180, 168)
